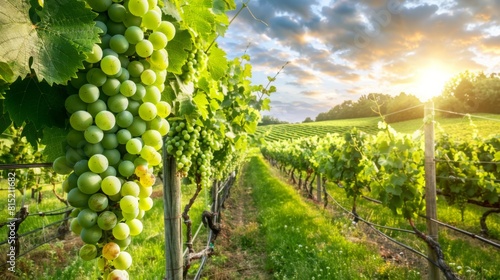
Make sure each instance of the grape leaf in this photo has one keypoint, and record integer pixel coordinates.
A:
(55, 45)
(32, 134)
(217, 63)
(31, 101)
(5, 120)
(200, 99)
(178, 51)
(53, 139)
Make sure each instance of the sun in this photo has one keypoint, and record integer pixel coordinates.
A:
(430, 81)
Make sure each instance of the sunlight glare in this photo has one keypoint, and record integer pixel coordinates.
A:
(431, 81)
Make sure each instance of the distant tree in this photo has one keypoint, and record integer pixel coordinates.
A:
(267, 120)
(365, 106)
(397, 108)
(307, 120)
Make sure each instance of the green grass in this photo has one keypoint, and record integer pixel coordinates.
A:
(303, 242)
(461, 127)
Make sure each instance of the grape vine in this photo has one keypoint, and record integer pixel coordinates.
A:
(140, 71)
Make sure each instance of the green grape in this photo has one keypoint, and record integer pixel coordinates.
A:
(111, 185)
(87, 218)
(105, 120)
(130, 188)
(126, 168)
(135, 68)
(134, 34)
(75, 139)
(119, 44)
(74, 103)
(111, 65)
(148, 77)
(156, 159)
(96, 107)
(167, 28)
(110, 251)
(131, 20)
(145, 191)
(133, 106)
(109, 141)
(147, 152)
(88, 93)
(101, 25)
(93, 134)
(164, 109)
(117, 12)
(113, 156)
(78, 199)
(110, 171)
(138, 7)
(96, 77)
(138, 127)
(123, 135)
(115, 28)
(151, 20)
(123, 261)
(129, 204)
(98, 163)
(159, 60)
(135, 226)
(111, 87)
(130, 215)
(81, 167)
(152, 95)
(89, 183)
(95, 55)
(105, 41)
(106, 221)
(121, 231)
(128, 88)
(75, 227)
(118, 274)
(93, 149)
(134, 146)
(147, 111)
(99, 5)
(124, 119)
(144, 48)
(91, 235)
(154, 124)
(152, 138)
(72, 156)
(158, 39)
(98, 202)
(117, 103)
(146, 203)
(88, 252)
(165, 127)
(80, 120)
(139, 94)
(108, 51)
(60, 166)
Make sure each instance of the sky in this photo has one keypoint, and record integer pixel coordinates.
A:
(339, 50)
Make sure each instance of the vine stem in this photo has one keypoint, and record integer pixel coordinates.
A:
(441, 264)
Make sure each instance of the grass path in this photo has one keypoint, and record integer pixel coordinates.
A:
(287, 238)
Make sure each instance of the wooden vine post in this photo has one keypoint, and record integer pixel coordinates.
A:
(430, 187)
(172, 218)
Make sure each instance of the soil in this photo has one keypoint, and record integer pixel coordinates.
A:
(240, 252)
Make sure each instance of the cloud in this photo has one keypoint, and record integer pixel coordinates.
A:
(357, 47)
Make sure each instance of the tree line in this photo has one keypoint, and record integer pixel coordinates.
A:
(467, 92)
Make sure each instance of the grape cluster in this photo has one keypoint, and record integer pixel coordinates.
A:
(193, 147)
(196, 63)
(117, 121)
(182, 143)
